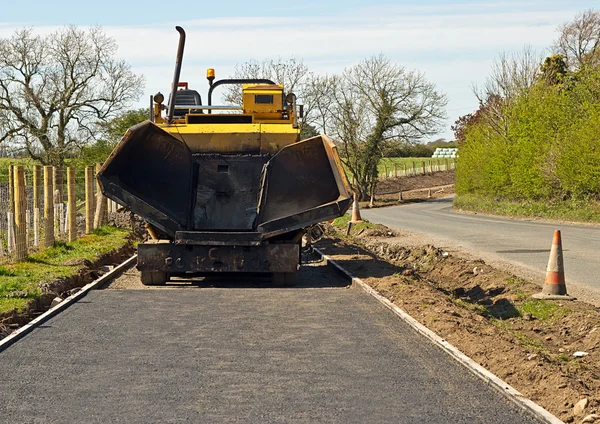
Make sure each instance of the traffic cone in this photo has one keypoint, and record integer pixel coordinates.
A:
(355, 211)
(554, 286)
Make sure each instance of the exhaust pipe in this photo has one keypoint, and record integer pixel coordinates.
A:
(178, 63)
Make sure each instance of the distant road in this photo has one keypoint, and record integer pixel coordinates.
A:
(523, 243)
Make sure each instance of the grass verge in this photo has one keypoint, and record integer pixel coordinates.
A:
(19, 282)
(341, 223)
(564, 211)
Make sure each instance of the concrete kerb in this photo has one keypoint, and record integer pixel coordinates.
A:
(27, 328)
(490, 379)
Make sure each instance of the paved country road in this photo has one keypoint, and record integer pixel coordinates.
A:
(236, 353)
(524, 243)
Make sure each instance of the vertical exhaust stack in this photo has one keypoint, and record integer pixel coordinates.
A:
(178, 63)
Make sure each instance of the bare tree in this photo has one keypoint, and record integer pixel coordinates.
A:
(376, 103)
(318, 95)
(54, 90)
(579, 40)
(511, 76)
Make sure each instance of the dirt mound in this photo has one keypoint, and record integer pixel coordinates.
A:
(395, 185)
(488, 314)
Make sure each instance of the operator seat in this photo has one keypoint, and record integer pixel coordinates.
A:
(185, 98)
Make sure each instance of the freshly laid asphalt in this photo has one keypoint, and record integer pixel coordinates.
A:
(238, 354)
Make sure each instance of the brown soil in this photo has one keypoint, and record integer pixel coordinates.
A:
(414, 189)
(394, 185)
(483, 312)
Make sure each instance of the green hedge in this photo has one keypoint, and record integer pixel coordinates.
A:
(546, 146)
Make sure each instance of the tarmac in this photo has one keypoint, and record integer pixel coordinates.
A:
(236, 351)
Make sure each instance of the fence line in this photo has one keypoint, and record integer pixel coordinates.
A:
(42, 205)
(413, 168)
(422, 167)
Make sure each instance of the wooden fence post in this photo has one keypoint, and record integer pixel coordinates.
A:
(404, 168)
(414, 168)
(48, 206)
(10, 216)
(395, 170)
(37, 188)
(89, 199)
(20, 214)
(423, 164)
(71, 204)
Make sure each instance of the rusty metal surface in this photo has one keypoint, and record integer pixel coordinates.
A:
(150, 171)
(227, 191)
(213, 238)
(179, 259)
(176, 74)
(304, 219)
(297, 182)
(158, 177)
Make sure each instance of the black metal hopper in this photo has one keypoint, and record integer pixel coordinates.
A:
(157, 177)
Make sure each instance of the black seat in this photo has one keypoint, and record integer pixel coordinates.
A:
(186, 98)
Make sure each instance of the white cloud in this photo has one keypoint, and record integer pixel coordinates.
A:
(454, 45)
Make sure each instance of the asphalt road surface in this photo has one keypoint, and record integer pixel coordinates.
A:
(238, 353)
(524, 243)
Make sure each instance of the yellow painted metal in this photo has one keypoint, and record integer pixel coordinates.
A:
(268, 133)
(263, 101)
(276, 136)
(234, 138)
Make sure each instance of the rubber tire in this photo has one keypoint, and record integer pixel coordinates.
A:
(154, 278)
(286, 279)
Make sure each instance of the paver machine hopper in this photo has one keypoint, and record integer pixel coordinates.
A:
(224, 189)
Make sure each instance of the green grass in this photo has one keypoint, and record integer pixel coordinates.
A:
(399, 162)
(342, 223)
(543, 310)
(565, 211)
(19, 282)
(389, 163)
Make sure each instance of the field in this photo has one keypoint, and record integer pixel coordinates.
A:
(391, 167)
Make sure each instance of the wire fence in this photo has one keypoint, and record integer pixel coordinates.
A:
(41, 205)
(422, 167)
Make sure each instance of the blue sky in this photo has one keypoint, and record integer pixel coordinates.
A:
(454, 43)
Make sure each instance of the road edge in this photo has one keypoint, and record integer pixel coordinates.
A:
(27, 328)
(487, 376)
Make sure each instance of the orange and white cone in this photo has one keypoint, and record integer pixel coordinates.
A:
(554, 286)
(355, 211)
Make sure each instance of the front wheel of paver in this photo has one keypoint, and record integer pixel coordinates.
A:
(154, 278)
(285, 278)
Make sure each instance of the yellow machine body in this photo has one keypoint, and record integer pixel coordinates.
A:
(224, 188)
